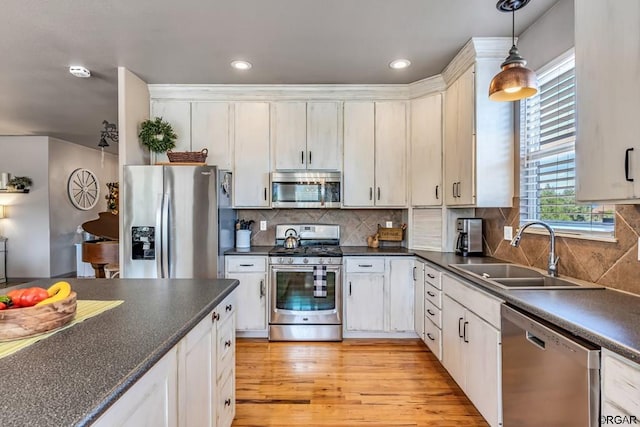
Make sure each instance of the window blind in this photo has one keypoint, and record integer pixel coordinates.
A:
(547, 156)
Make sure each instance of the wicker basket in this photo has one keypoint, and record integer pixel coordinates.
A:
(188, 156)
(390, 234)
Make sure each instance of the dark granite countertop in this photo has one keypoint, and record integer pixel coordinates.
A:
(73, 376)
(606, 317)
(253, 250)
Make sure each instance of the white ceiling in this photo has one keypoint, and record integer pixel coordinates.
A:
(193, 41)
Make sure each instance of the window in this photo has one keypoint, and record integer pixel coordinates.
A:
(547, 157)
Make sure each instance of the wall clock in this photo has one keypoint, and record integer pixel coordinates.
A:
(83, 189)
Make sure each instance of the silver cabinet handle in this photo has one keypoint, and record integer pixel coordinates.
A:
(365, 265)
(458, 194)
(262, 288)
(247, 265)
(460, 319)
(453, 189)
(464, 332)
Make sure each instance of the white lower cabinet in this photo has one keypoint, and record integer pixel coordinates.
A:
(418, 299)
(471, 345)
(252, 313)
(620, 390)
(379, 296)
(192, 385)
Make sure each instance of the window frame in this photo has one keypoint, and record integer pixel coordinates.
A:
(594, 231)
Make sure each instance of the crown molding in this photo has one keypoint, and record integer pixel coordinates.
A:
(427, 86)
(476, 49)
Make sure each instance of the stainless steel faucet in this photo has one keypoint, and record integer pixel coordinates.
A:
(552, 266)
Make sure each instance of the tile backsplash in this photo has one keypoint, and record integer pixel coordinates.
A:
(610, 264)
(355, 224)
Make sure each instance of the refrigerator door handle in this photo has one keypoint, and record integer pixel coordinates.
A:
(158, 236)
(165, 237)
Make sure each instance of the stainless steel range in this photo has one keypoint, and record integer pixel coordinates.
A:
(306, 283)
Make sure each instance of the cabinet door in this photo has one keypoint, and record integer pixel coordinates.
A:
(151, 401)
(251, 159)
(459, 146)
(426, 151)
(401, 294)
(323, 139)
(359, 153)
(483, 374)
(251, 315)
(289, 135)
(178, 115)
(391, 156)
(418, 298)
(608, 124)
(364, 302)
(197, 376)
(210, 129)
(453, 358)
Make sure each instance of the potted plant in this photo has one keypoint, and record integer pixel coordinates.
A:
(157, 135)
(20, 182)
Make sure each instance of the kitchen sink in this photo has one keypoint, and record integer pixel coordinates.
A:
(511, 276)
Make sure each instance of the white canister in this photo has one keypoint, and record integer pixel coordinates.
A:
(243, 238)
(4, 180)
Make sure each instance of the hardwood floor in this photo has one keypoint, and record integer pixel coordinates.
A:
(352, 383)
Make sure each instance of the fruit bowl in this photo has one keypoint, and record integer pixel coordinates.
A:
(17, 323)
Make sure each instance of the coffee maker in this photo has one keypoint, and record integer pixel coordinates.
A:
(469, 241)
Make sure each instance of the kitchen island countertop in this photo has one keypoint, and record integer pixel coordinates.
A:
(73, 376)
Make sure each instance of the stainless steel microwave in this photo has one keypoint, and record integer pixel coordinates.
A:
(305, 189)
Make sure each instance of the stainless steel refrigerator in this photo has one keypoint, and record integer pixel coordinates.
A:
(170, 222)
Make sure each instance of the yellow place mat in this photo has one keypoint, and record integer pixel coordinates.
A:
(84, 310)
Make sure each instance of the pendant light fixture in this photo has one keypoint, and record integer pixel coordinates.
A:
(515, 81)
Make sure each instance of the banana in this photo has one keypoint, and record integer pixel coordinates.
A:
(57, 292)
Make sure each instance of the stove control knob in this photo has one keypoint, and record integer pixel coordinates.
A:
(290, 260)
(321, 261)
(280, 260)
(306, 261)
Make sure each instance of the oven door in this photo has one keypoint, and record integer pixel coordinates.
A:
(292, 296)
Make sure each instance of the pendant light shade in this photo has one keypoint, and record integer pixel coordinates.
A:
(515, 81)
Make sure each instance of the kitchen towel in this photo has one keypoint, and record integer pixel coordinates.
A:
(320, 281)
(84, 310)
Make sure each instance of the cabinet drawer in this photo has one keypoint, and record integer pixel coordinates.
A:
(226, 401)
(484, 305)
(432, 276)
(242, 264)
(225, 345)
(621, 383)
(364, 265)
(433, 313)
(433, 295)
(433, 338)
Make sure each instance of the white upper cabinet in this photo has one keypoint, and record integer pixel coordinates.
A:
(210, 129)
(359, 154)
(479, 138)
(306, 135)
(375, 138)
(426, 151)
(608, 100)
(251, 158)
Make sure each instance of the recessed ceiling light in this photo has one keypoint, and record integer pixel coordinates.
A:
(79, 71)
(399, 64)
(241, 65)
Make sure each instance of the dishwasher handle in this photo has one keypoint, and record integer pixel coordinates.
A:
(547, 337)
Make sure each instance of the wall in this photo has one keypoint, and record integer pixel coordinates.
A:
(355, 225)
(41, 225)
(610, 264)
(64, 158)
(27, 222)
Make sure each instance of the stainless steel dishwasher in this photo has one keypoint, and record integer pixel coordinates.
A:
(549, 377)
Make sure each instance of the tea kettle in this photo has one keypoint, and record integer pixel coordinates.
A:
(292, 241)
